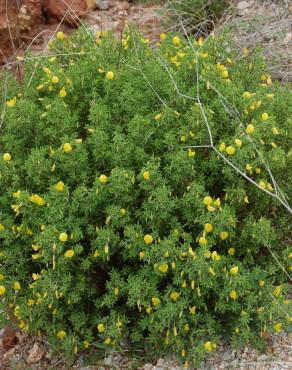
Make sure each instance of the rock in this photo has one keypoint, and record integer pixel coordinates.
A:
(123, 5)
(263, 358)
(30, 17)
(242, 5)
(102, 4)
(59, 10)
(8, 28)
(7, 338)
(288, 38)
(160, 362)
(108, 361)
(147, 367)
(35, 354)
(227, 355)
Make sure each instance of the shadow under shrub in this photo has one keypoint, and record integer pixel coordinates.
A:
(114, 227)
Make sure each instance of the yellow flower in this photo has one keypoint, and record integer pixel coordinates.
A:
(208, 228)
(203, 241)
(30, 302)
(231, 251)
(162, 36)
(35, 256)
(224, 235)
(264, 117)
(222, 147)
(10, 103)
(146, 175)
(163, 268)
(155, 301)
(16, 194)
(183, 138)
(211, 209)
(230, 150)
(61, 334)
(208, 254)
(63, 93)
(119, 324)
(2, 290)
(60, 35)
(275, 131)
(208, 346)
(110, 75)
(261, 283)
(148, 239)
(262, 184)
(35, 198)
(69, 253)
(148, 309)
(63, 237)
(277, 291)
(55, 79)
(270, 96)
(215, 256)
(234, 270)
(122, 211)
(278, 327)
(60, 186)
(35, 247)
(211, 271)
(247, 95)
(225, 74)
(207, 201)
(36, 276)
(249, 129)
(100, 328)
(6, 157)
(2, 277)
(40, 87)
(141, 255)
(67, 148)
(191, 153)
(107, 340)
(233, 295)
(174, 296)
(258, 170)
(103, 179)
(238, 142)
(176, 40)
(86, 344)
(158, 117)
(16, 285)
(192, 310)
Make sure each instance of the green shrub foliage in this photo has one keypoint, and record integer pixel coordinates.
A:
(116, 225)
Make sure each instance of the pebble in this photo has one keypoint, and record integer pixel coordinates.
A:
(102, 4)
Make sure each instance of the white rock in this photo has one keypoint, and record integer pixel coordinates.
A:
(102, 4)
(147, 367)
(242, 5)
(35, 354)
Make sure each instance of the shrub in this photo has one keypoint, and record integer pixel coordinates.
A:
(113, 226)
(196, 15)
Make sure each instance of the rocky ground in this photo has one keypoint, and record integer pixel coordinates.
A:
(20, 352)
(29, 24)
(266, 24)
